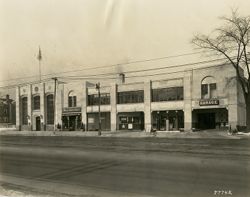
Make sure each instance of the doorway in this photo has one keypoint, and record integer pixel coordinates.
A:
(206, 120)
(38, 123)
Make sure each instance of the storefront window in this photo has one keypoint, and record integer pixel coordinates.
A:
(94, 99)
(36, 102)
(131, 97)
(167, 94)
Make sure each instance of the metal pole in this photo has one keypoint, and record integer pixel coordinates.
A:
(40, 76)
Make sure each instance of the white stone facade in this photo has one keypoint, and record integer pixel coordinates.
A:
(225, 109)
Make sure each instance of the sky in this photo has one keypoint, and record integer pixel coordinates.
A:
(80, 34)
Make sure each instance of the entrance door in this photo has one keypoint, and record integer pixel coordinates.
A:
(38, 123)
(206, 121)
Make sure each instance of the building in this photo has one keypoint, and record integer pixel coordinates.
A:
(201, 98)
(7, 111)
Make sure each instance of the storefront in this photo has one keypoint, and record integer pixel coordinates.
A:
(216, 118)
(93, 121)
(71, 119)
(131, 121)
(168, 120)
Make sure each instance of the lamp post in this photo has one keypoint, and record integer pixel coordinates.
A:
(99, 108)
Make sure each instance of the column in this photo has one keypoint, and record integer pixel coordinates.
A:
(113, 103)
(188, 100)
(233, 104)
(58, 103)
(30, 108)
(18, 109)
(84, 101)
(147, 105)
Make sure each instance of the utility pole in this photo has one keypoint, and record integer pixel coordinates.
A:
(55, 79)
(99, 108)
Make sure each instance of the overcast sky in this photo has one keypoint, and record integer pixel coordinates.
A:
(84, 33)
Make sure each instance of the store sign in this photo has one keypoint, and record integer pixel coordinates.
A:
(71, 109)
(91, 120)
(209, 102)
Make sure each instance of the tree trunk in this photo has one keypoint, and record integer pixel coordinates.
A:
(248, 112)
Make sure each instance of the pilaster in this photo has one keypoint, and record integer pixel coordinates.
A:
(188, 100)
(30, 108)
(84, 101)
(18, 107)
(147, 105)
(113, 102)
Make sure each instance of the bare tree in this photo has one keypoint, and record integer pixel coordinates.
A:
(232, 41)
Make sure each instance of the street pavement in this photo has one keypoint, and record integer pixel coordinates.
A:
(115, 166)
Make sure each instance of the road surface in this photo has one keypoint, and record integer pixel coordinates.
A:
(97, 166)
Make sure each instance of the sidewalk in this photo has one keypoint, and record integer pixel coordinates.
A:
(129, 134)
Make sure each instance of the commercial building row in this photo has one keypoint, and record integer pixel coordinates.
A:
(202, 98)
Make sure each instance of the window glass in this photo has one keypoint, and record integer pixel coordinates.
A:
(204, 91)
(25, 110)
(94, 99)
(36, 102)
(50, 109)
(213, 92)
(72, 99)
(123, 119)
(167, 94)
(208, 88)
(131, 97)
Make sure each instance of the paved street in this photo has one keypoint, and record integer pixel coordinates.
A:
(98, 166)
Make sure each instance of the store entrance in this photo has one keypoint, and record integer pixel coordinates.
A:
(71, 123)
(206, 120)
(131, 121)
(38, 123)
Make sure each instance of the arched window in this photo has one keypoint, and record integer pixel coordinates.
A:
(72, 99)
(36, 102)
(50, 108)
(208, 88)
(25, 110)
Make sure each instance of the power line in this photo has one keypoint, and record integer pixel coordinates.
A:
(156, 74)
(112, 65)
(152, 69)
(90, 77)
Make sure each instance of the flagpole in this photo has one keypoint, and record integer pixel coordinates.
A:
(40, 77)
(39, 57)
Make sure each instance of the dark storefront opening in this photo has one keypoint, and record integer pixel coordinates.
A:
(168, 120)
(71, 122)
(93, 121)
(206, 121)
(131, 121)
(210, 118)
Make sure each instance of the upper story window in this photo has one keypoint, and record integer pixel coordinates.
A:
(24, 110)
(94, 99)
(167, 94)
(72, 99)
(208, 88)
(50, 108)
(131, 97)
(36, 102)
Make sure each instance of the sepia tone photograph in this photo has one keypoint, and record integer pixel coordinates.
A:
(124, 98)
